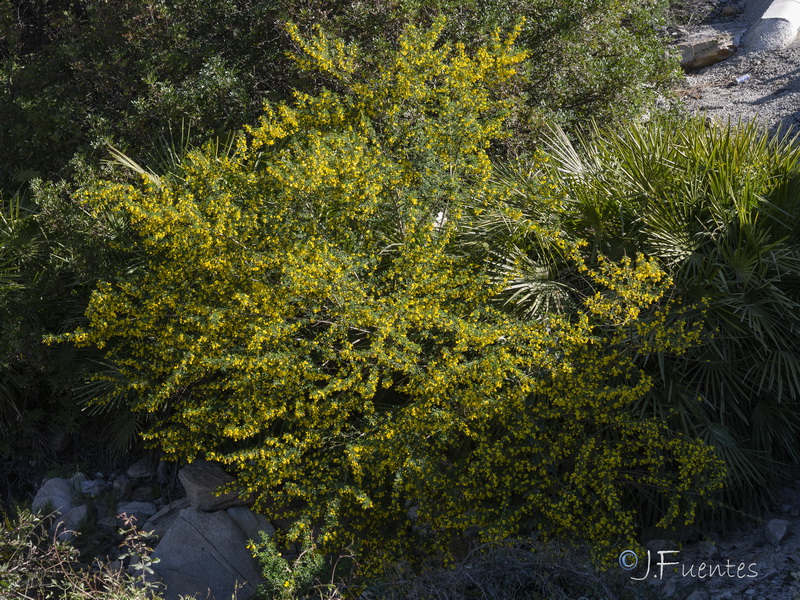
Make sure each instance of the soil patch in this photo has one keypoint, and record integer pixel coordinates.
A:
(771, 93)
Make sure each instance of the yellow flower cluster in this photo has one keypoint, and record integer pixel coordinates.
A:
(302, 317)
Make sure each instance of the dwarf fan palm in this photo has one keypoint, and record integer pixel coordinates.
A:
(719, 206)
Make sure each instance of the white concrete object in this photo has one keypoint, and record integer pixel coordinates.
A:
(776, 28)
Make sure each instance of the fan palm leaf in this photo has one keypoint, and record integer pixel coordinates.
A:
(720, 207)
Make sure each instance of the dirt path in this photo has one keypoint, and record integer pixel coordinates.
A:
(772, 93)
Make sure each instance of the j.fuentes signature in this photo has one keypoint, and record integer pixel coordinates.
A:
(628, 560)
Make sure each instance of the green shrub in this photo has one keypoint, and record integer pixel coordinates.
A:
(289, 579)
(304, 312)
(79, 75)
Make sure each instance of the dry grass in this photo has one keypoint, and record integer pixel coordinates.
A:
(517, 571)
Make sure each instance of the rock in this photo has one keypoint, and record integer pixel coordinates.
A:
(76, 480)
(776, 28)
(727, 546)
(698, 595)
(141, 469)
(766, 576)
(70, 522)
(140, 510)
(160, 522)
(251, 523)
(708, 549)
(205, 553)
(716, 581)
(785, 508)
(704, 49)
(144, 493)
(654, 582)
(775, 531)
(55, 494)
(670, 587)
(201, 479)
(122, 485)
(93, 487)
(107, 522)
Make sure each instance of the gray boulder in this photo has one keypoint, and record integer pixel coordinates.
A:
(776, 530)
(122, 486)
(94, 487)
(160, 522)
(205, 555)
(77, 480)
(56, 494)
(70, 522)
(140, 510)
(145, 493)
(201, 480)
(251, 523)
(141, 469)
(776, 28)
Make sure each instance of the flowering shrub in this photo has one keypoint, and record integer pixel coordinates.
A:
(304, 312)
(291, 579)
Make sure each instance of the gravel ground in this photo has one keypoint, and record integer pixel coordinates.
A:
(772, 94)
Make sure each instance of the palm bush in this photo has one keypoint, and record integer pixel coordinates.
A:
(719, 207)
(51, 252)
(20, 244)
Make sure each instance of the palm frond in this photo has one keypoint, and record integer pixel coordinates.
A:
(531, 289)
(20, 236)
(125, 430)
(126, 161)
(105, 392)
(776, 425)
(566, 158)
